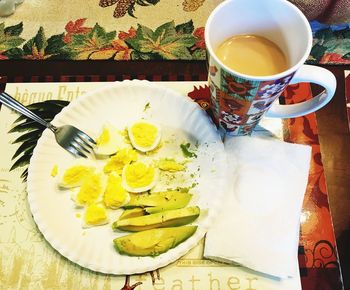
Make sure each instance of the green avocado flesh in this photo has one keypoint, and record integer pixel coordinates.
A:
(160, 201)
(169, 218)
(153, 242)
(130, 213)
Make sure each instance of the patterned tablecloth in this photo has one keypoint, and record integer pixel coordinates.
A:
(130, 30)
(28, 262)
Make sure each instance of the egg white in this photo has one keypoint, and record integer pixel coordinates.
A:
(116, 142)
(139, 189)
(141, 148)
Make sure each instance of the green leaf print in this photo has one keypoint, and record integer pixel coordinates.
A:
(40, 40)
(199, 54)
(83, 45)
(317, 52)
(39, 47)
(31, 131)
(14, 53)
(164, 41)
(9, 38)
(333, 41)
(54, 44)
(14, 30)
(185, 28)
(136, 55)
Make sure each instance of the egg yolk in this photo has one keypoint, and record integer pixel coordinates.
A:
(139, 174)
(95, 214)
(144, 134)
(90, 190)
(75, 175)
(104, 137)
(170, 165)
(54, 170)
(118, 161)
(115, 195)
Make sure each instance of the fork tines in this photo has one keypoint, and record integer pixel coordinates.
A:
(82, 145)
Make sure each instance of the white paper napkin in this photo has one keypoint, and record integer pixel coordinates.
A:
(258, 226)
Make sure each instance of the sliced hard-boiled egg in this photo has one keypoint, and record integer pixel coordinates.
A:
(138, 177)
(117, 162)
(115, 195)
(91, 191)
(144, 135)
(75, 174)
(95, 215)
(110, 141)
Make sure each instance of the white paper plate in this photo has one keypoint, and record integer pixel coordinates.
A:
(120, 103)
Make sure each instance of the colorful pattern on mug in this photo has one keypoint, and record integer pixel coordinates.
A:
(238, 104)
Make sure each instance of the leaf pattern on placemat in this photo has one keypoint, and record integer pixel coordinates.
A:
(125, 6)
(31, 131)
(331, 47)
(165, 42)
(39, 48)
(84, 45)
(75, 27)
(81, 42)
(9, 38)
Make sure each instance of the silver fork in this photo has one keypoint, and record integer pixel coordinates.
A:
(69, 137)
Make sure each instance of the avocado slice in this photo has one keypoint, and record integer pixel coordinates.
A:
(153, 242)
(130, 213)
(172, 199)
(169, 218)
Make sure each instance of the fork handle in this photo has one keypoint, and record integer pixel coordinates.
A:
(10, 102)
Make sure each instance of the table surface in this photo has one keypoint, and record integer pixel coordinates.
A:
(334, 138)
(332, 122)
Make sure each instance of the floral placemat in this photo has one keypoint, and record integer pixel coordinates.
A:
(331, 44)
(27, 260)
(106, 29)
(130, 30)
(33, 264)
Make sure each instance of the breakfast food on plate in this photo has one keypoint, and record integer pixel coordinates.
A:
(130, 213)
(170, 164)
(144, 135)
(135, 178)
(168, 218)
(139, 177)
(54, 170)
(110, 141)
(95, 215)
(187, 150)
(75, 174)
(115, 195)
(91, 190)
(117, 162)
(153, 242)
(160, 201)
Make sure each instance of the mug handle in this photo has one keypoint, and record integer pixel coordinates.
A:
(313, 74)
